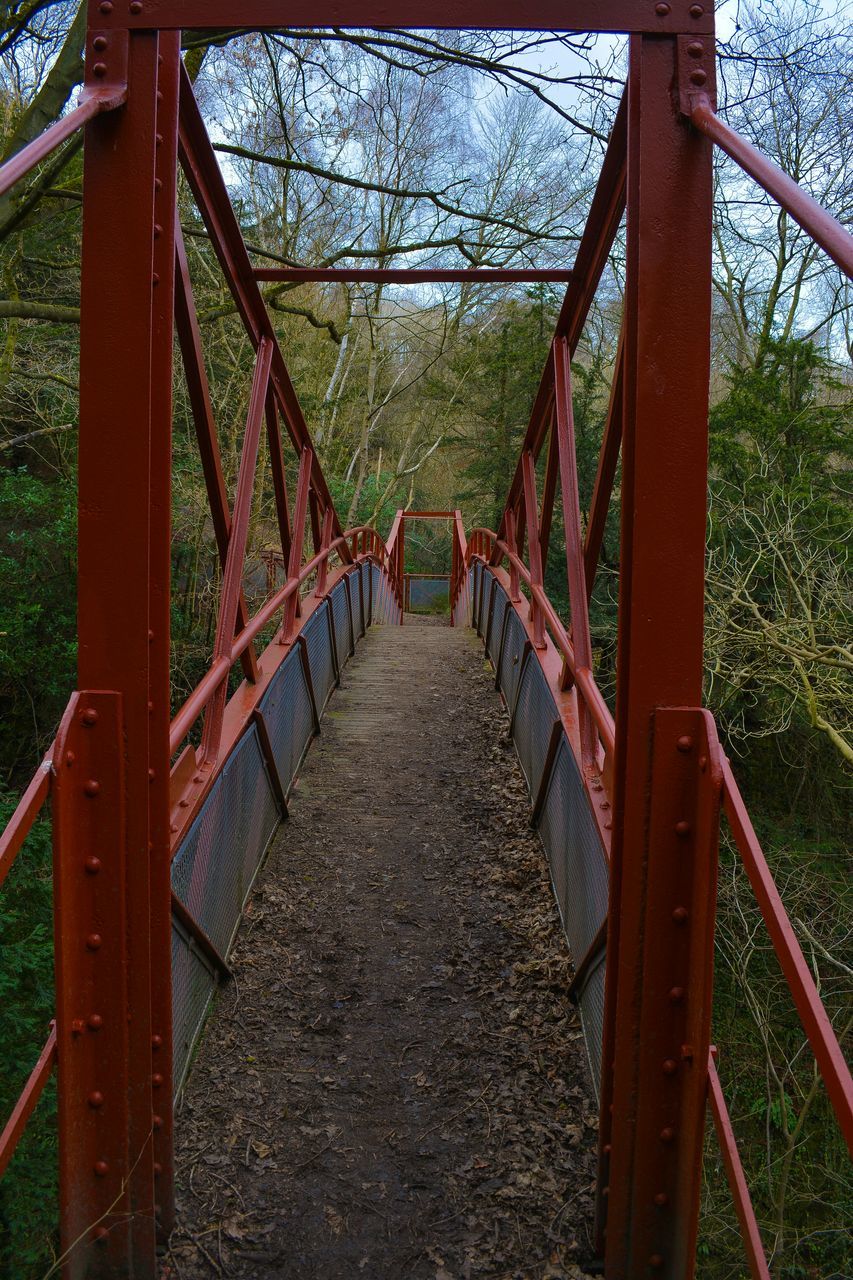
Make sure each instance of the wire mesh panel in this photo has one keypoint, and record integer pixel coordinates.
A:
(495, 622)
(286, 706)
(427, 592)
(193, 984)
(485, 598)
(355, 596)
(511, 656)
(534, 718)
(566, 825)
(215, 866)
(319, 644)
(343, 630)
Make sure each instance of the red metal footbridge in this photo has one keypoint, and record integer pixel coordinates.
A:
(150, 809)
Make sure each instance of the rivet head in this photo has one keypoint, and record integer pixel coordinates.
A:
(69, 758)
(679, 915)
(93, 942)
(95, 1021)
(696, 10)
(100, 1233)
(608, 826)
(158, 184)
(676, 995)
(605, 1191)
(607, 1148)
(158, 1169)
(696, 48)
(92, 788)
(158, 231)
(155, 280)
(101, 1168)
(105, 6)
(661, 10)
(661, 1199)
(158, 139)
(136, 6)
(99, 69)
(605, 804)
(703, 763)
(99, 43)
(96, 1099)
(173, 826)
(156, 1080)
(656, 1262)
(667, 1134)
(698, 77)
(92, 865)
(670, 1066)
(682, 828)
(156, 1042)
(89, 717)
(685, 742)
(157, 1121)
(77, 1027)
(151, 775)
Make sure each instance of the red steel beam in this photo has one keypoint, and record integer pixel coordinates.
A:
(660, 639)
(813, 1015)
(448, 15)
(27, 810)
(605, 214)
(159, 622)
(409, 275)
(564, 428)
(92, 103)
(535, 552)
(26, 1103)
(189, 338)
(605, 475)
(232, 575)
(95, 1013)
(758, 1267)
(820, 225)
(204, 176)
(123, 152)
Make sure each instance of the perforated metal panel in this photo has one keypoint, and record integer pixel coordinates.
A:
(286, 706)
(423, 593)
(355, 592)
(566, 826)
(495, 622)
(513, 652)
(534, 717)
(316, 633)
(343, 631)
(215, 866)
(486, 583)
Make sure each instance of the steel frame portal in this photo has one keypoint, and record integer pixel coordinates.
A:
(655, 777)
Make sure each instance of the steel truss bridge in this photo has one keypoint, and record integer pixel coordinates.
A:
(629, 806)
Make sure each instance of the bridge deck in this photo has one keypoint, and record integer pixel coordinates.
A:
(394, 1085)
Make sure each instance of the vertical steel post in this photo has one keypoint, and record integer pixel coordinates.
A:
(123, 566)
(165, 203)
(667, 361)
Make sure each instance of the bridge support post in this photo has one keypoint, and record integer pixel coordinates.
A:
(650, 1171)
(127, 304)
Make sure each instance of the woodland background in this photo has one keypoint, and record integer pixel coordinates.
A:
(462, 149)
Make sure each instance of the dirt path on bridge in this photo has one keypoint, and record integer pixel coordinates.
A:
(394, 1085)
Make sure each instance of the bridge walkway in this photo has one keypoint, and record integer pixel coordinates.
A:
(394, 1085)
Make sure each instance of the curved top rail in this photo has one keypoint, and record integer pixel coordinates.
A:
(812, 217)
